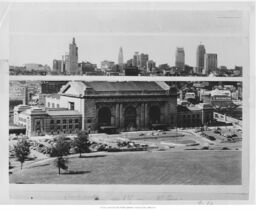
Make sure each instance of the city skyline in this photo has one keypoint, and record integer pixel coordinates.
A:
(112, 44)
(101, 30)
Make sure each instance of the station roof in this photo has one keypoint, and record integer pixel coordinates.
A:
(123, 87)
(127, 86)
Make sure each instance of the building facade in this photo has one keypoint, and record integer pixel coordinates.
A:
(120, 105)
(87, 68)
(107, 65)
(151, 65)
(135, 59)
(194, 116)
(143, 59)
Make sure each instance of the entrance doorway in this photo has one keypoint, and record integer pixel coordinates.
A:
(130, 118)
(154, 115)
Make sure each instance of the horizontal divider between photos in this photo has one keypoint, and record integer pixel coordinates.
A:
(126, 78)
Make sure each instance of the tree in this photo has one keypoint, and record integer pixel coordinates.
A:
(21, 150)
(81, 143)
(61, 163)
(60, 149)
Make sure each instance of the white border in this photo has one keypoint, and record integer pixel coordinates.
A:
(213, 194)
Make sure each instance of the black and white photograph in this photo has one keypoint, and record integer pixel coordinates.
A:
(125, 103)
(127, 40)
(135, 132)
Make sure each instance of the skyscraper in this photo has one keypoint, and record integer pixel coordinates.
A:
(71, 64)
(120, 57)
(200, 52)
(210, 63)
(180, 58)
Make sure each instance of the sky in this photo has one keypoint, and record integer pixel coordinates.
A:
(40, 33)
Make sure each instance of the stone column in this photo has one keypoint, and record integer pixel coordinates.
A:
(203, 117)
(117, 116)
(162, 113)
(138, 117)
(146, 115)
(142, 115)
(121, 121)
(166, 113)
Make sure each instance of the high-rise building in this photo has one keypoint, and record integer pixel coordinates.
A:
(210, 63)
(56, 66)
(121, 59)
(71, 64)
(143, 59)
(180, 58)
(200, 52)
(135, 60)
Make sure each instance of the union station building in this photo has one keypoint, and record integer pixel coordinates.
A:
(110, 107)
(119, 106)
(101, 106)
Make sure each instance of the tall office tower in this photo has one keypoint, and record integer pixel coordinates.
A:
(72, 59)
(200, 52)
(120, 57)
(135, 60)
(143, 59)
(180, 58)
(210, 63)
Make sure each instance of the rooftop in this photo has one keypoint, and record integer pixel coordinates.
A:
(56, 96)
(62, 112)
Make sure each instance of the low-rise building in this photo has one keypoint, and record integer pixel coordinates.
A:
(194, 116)
(40, 121)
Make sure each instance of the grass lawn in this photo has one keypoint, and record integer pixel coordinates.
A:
(169, 167)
